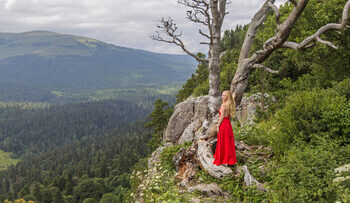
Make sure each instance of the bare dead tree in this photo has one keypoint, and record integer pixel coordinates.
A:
(247, 63)
(209, 13)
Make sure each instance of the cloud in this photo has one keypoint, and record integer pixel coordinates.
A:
(121, 22)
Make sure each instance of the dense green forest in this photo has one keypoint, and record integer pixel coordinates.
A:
(39, 130)
(79, 170)
(74, 151)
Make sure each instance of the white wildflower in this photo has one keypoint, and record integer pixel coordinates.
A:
(340, 179)
(343, 168)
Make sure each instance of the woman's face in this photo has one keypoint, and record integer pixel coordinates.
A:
(224, 96)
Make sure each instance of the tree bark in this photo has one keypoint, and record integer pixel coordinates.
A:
(240, 80)
(218, 12)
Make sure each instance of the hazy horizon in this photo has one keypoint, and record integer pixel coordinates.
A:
(121, 23)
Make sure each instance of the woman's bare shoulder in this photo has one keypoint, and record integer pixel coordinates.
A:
(224, 108)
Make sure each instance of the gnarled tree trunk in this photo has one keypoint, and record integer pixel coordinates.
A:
(218, 12)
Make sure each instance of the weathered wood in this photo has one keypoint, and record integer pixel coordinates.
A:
(206, 159)
(250, 180)
(186, 165)
(211, 189)
(255, 23)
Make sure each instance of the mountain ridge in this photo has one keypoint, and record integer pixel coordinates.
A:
(47, 61)
(36, 33)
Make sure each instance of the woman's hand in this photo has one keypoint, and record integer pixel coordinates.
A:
(217, 129)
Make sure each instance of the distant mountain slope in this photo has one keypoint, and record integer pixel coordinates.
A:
(48, 60)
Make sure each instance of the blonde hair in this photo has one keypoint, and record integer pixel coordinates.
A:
(231, 104)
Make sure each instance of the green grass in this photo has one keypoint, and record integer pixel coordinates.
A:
(6, 160)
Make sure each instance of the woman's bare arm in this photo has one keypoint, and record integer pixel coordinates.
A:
(221, 118)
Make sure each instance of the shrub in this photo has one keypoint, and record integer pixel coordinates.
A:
(108, 198)
(240, 192)
(251, 134)
(90, 200)
(343, 88)
(306, 174)
(308, 114)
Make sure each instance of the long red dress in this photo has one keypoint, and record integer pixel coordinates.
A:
(225, 152)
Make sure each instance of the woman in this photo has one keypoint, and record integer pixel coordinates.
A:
(225, 152)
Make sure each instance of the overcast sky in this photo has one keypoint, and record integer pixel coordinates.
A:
(125, 23)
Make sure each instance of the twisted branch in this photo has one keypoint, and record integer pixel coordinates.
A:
(255, 23)
(199, 7)
(265, 68)
(169, 28)
(205, 35)
(320, 31)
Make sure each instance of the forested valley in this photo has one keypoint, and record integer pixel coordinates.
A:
(75, 151)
